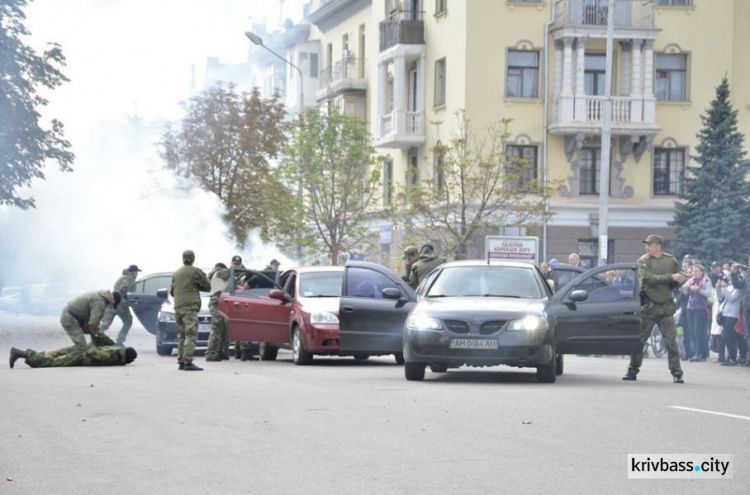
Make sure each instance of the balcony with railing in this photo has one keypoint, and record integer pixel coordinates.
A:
(592, 16)
(402, 27)
(401, 129)
(344, 76)
(584, 113)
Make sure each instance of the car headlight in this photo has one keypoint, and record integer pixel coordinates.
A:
(423, 322)
(529, 324)
(166, 317)
(323, 317)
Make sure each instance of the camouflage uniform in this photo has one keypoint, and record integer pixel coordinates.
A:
(123, 309)
(187, 283)
(657, 307)
(82, 316)
(218, 337)
(93, 356)
(426, 263)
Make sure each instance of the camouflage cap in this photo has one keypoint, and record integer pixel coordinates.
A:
(654, 239)
(411, 251)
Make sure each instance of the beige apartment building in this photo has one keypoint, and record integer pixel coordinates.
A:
(404, 64)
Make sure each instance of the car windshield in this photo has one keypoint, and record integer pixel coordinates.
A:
(320, 284)
(486, 281)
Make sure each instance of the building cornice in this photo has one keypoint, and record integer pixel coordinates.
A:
(334, 12)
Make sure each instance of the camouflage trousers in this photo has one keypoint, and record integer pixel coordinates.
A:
(123, 311)
(187, 334)
(218, 336)
(668, 332)
(77, 333)
(94, 356)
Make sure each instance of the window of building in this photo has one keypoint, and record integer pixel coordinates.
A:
(440, 81)
(523, 157)
(523, 74)
(441, 6)
(588, 251)
(669, 171)
(439, 157)
(594, 74)
(308, 64)
(388, 181)
(412, 171)
(675, 2)
(671, 77)
(589, 166)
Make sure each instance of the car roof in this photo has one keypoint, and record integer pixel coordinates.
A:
(319, 269)
(481, 262)
(567, 267)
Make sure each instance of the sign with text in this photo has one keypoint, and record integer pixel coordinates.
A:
(517, 248)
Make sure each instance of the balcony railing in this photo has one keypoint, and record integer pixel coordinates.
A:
(401, 128)
(595, 13)
(621, 109)
(584, 112)
(346, 68)
(402, 27)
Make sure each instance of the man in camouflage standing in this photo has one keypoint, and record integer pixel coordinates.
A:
(187, 284)
(658, 273)
(83, 316)
(428, 260)
(123, 309)
(219, 278)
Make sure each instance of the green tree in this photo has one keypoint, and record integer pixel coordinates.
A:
(331, 164)
(227, 142)
(475, 188)
(711, 220)
(25, 144)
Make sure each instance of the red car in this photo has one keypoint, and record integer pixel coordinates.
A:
(299, 310)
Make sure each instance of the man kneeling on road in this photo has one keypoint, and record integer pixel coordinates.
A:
(84, 314)
(94, 356)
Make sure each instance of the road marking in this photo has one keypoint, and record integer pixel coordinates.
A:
(711, 412)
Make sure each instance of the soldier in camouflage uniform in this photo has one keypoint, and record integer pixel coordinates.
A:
(428, 260)
(219, 278)
(83, 315)
(187, 284)
(94, 356)
(123, 309)
(658, 273)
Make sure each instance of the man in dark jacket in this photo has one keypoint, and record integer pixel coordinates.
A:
(187, 284)
(94, 356)
(123, 309)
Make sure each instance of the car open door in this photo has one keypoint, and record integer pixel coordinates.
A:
(373, 308)
(252, 315)
(144, 301)
(597, 313)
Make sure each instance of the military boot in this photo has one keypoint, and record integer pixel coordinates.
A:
(630, 377)
(192, 367)
(16, 354)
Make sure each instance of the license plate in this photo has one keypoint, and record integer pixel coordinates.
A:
(204, 327)
(473, 344)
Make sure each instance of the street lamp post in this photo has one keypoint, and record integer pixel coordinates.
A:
(259, 41)
(606, 140)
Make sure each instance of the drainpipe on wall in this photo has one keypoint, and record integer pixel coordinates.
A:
(547, 25)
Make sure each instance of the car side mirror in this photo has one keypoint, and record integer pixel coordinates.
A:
(278, 294)
(579, 295)
(162, 293)
(391, 293)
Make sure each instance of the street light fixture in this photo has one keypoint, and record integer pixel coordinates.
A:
(257, 40)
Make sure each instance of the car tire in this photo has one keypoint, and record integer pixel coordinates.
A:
(361, 357)
(299, 355)
(546, 372)
(414, 372)
(438, 368)
(267, 352)
(399, 357)
(164, 350)
(560, 365)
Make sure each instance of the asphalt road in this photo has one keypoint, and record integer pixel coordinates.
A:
(341, 426)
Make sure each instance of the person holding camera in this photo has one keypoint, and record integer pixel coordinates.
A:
(730, 294)
(698, 290)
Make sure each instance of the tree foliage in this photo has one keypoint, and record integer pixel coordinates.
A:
(25, 144)
(226, 142)
(474, 189)
(712, 219)
(331, 160)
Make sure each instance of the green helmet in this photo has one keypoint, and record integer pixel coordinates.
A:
(188, 256)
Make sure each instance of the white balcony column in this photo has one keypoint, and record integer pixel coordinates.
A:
(625, 81)
(580, 91)
(649, 100)
(558, 82)
(399, 94)
(421, 69)
(566, 95)
(636, 92)
(382, 95)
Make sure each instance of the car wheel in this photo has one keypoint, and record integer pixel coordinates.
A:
(560, 365)
(267, 352)
(414, 372)
(164, 350)
(438, 368)
(361, 357)
(546, 373)
(299, 355)
(399, 357)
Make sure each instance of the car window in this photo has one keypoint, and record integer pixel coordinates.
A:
(610, 286)
(561, 277)
(487, 281)
(153, 284)
(364, 282)
(320, 284)
(426, 283)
